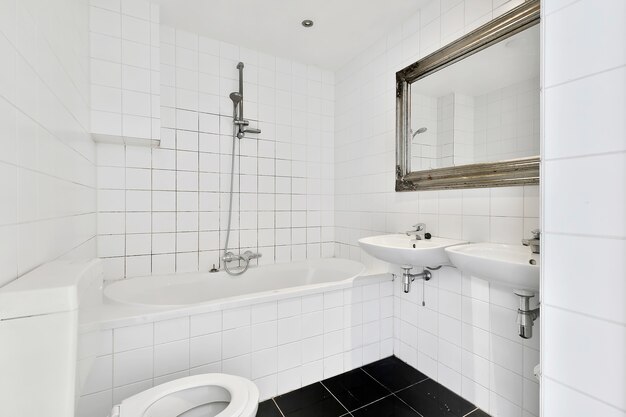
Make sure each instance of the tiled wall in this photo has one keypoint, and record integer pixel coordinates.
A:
(280, 345)
(165, 210)
(507, 122)
(584, 177)
(125, 73)
(465, 336)
(458, 148)
(47, 159)
(425, 149)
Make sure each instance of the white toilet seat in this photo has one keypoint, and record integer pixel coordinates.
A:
(177, 397)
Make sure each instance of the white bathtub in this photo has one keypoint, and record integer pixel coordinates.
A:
(333, 312)
(200, 288)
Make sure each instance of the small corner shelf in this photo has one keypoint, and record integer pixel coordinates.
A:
(126, 140)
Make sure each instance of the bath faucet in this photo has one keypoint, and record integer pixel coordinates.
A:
(249, 255)
(418, 232)
(535, 242)
(246, 257)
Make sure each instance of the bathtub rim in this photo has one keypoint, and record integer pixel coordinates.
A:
(113, 315)
(340, 263)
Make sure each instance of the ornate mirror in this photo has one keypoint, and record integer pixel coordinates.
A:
(467, 115)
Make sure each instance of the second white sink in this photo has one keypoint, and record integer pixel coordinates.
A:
(401, 249)
(511, 265)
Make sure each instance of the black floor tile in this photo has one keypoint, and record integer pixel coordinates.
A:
(390, 406)
(268, 409)
(433, 400)
(393, 373)
(355, 389)
(478, 413)
(310, 401)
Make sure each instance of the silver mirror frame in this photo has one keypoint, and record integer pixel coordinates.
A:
(491, 174)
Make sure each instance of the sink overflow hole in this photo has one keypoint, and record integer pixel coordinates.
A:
(532, 262)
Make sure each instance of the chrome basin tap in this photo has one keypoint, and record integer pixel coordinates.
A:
(418, 232)
(535, 242)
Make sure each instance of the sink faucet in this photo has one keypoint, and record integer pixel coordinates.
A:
(418, 232)
(535, 242)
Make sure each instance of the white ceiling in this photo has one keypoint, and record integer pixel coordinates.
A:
(342, 29)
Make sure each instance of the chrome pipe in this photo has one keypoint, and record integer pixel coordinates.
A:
(408, 277)
(525, 315)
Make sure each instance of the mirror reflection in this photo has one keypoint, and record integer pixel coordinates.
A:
(484, 108)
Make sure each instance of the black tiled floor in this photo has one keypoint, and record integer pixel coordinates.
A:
(390, 406)
(434, 400)
(355, 388)
(310, 401)
(387, 388)
(268, 409)
(393, 373)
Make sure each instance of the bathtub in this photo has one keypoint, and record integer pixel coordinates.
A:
(191, 289)
(330, 314)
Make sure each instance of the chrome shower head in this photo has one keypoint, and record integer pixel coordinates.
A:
(420, 131)
(236, 97)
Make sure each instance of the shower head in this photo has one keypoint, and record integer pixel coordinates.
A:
(236, 97)
(419, 131)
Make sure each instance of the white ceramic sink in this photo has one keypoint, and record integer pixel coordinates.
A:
(511, 265)
(401, 249)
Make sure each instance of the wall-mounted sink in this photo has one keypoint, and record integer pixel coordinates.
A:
(401, 249)
(511, 265)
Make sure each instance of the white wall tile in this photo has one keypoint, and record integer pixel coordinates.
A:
(49, 151)
(171, 357)
(563, 46)
(205, 349)
(576, 198)
(132, 366)
(566, 401)
(100, 376)
(568, 117)
(171, 330)
(133, 337)
(592, 387)
(563, 351)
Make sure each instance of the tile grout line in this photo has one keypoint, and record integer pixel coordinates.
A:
(391, 393)
(370, 403)
(404, 402)
(407, 387)
(333, 395)
(394, 392)
(276, 405)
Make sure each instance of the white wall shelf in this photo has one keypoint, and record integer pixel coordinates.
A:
(126, 140)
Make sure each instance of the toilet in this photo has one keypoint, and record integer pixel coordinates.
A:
(50, 341)
(205, 395)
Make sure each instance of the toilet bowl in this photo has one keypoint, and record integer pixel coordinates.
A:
(205, 395)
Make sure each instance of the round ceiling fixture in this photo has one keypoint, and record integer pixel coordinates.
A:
(307, 23)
